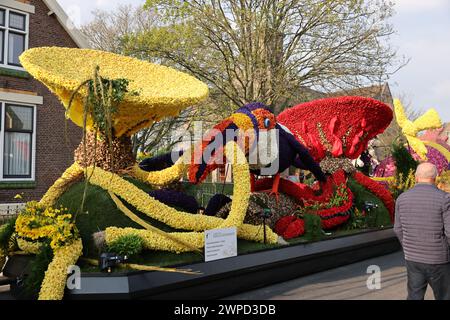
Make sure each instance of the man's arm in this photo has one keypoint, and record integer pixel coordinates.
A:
(397, 224)
(446, 217)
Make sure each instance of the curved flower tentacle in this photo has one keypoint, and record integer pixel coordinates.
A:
(146, 225)
(148, 205)
(71, 175)
(241, 190)
(28, 246)
(163, 177)
(154, 241)
(182, 220)
(159, 211)
(55, 277)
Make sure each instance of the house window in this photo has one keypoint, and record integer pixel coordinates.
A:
(17, 137)
(13, 37)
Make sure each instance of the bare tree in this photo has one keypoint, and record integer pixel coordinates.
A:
(108, 31)
(265, 50)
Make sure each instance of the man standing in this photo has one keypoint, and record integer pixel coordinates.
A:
(422, 224)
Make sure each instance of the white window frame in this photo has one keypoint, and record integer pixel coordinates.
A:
(7, 29)
(3, 104)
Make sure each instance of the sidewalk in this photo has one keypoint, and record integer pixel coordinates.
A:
(344, 283)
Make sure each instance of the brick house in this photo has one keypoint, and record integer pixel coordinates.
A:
(34, 146)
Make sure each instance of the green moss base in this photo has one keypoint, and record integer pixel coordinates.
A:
(101, 212)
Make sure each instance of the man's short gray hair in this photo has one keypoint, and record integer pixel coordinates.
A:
(426, 170)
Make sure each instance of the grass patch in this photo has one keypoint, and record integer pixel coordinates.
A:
(378, 217)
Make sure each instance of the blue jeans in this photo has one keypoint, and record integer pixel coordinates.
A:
(420, 275)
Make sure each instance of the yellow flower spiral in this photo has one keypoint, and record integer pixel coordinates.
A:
(28, 246)
(54, 283)
(163, 177)
(74, 172)
(186, 221)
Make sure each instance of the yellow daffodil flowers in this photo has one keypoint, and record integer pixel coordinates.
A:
(161, 91)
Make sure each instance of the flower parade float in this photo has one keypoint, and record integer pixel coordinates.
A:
(426, 147)
(334, 136)
(106, 201)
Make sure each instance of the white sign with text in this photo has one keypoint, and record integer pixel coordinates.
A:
(220, 244)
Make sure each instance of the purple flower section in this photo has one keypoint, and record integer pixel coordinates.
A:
(174, 198)
(217, 202)
(253, 106)
(387, 167)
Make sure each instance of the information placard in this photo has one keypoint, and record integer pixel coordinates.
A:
(220, 244)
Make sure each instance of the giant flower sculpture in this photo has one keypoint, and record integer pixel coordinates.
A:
(427, 147)
(161, 92)
(335, 130)
(153, 92)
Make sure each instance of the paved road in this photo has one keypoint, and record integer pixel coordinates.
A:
(344, 283)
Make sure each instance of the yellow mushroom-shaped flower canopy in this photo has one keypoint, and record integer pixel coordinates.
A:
(162, 91)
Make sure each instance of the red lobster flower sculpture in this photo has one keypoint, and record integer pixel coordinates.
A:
(335, 130)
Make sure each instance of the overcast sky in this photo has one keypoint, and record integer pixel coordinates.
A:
(423, 35)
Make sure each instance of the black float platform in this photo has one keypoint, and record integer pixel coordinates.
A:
(243, 273)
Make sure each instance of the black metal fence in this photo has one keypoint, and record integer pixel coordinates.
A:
(206, 190)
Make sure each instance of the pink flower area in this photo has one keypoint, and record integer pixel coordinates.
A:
(387, 167)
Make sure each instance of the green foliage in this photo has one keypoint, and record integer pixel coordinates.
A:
(101, 213)
(357, 221)
(403, 159)
(6, 232)
(313, 227)
(38, 267)
(378, 217)
(103, 99)
(339, 197)
(128, 245)
(100, 93)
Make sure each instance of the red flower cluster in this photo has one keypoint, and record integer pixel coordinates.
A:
(331, 217)
(197, 161)
(336, 216)
(290, 227)
(377, 189)
(342, 128)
